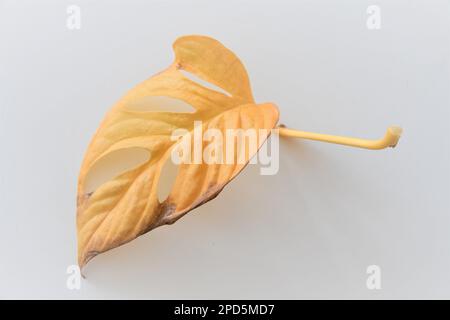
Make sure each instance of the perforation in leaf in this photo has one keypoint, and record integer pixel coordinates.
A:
(167, 178)
(112, 165)
(204, 83)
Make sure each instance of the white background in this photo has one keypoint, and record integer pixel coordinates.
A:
(308, 232)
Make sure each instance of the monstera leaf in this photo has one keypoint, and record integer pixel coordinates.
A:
(127, 205)
(124, 167)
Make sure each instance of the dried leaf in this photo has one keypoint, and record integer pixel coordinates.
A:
(127, 205)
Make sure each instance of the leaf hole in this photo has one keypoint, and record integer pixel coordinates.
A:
(204, 83)
(112, 165)
(160, 104)
(167, 179)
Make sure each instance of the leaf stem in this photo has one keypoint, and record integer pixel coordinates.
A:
(390, 139)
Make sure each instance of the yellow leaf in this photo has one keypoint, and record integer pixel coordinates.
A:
(127, 205)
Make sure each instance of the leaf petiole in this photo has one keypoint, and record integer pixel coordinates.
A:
(390, 139)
